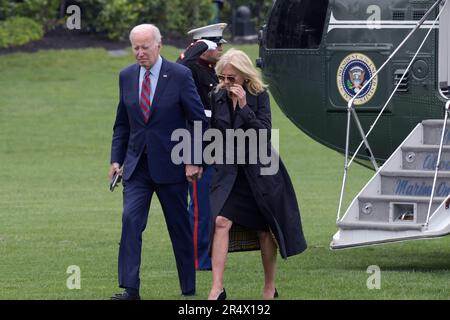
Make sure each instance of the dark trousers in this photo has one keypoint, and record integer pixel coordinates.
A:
(203, 230)
(137, 195)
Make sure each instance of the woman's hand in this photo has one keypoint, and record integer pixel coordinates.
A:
(238, 93)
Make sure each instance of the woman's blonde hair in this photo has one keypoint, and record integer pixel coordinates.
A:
(242, 63)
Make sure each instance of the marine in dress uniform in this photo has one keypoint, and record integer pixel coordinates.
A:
(200, 57)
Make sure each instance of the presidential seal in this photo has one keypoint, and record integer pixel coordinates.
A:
(353, 73)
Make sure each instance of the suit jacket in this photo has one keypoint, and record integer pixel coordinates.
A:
(175, 104)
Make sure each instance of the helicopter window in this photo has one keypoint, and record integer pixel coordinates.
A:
(296, 24)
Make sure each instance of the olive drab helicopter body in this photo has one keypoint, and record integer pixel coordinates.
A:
(308, 49)
(394, 56)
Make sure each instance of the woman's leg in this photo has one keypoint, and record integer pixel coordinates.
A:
(219, 255)
(269, 260)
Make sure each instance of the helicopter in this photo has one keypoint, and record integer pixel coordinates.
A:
(382, 67)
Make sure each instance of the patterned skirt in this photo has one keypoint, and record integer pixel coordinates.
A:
(242, 208)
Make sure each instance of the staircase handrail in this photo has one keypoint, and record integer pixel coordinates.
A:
(438, 162)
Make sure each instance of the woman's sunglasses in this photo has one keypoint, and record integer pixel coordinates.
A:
(222, 78)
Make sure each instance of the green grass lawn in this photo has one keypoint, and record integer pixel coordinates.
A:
(56, 114)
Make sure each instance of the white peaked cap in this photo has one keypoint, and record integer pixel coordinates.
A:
(212, 32)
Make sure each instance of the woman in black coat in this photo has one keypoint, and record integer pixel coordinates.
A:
(253, 205)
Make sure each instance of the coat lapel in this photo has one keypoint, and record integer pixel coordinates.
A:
(251, 102)
(163, 80)
(134, 90)
(238, 121)
(222, 112)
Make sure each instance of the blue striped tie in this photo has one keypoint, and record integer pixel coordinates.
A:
(144, 101)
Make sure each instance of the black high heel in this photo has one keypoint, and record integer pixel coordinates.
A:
(222, 295)
(275, 294)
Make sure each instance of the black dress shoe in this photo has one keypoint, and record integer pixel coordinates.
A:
(205, 269)
(222, 295)
(125, 296)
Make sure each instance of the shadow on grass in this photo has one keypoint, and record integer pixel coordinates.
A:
(394, 259)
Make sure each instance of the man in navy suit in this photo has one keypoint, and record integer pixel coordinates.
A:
(156, 98)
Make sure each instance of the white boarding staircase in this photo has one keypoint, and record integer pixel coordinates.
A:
(394, 204)
(407, 197)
